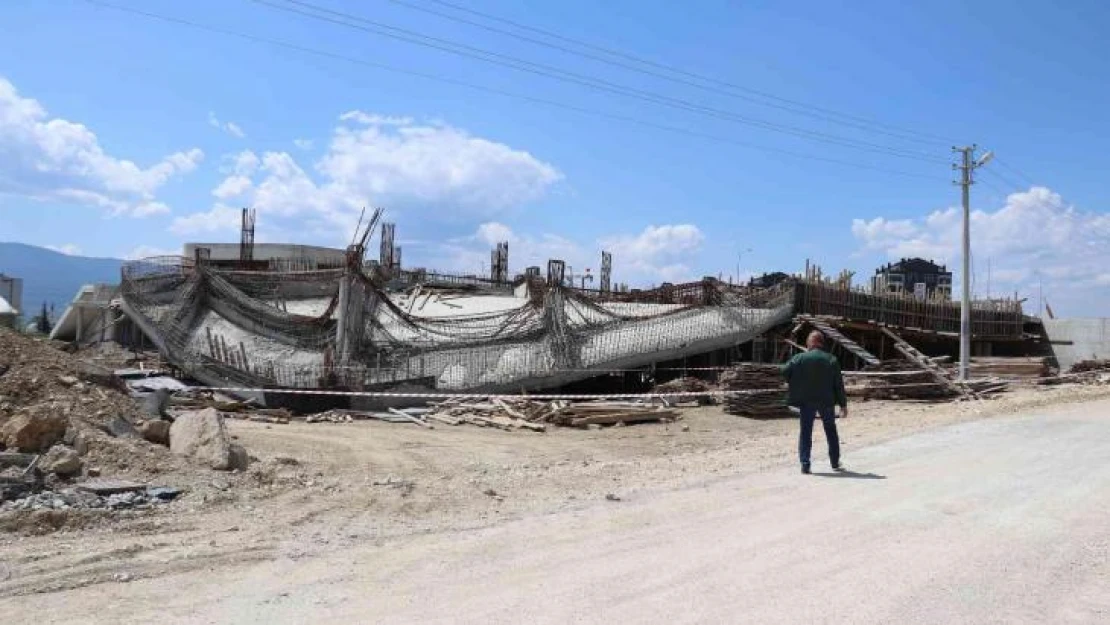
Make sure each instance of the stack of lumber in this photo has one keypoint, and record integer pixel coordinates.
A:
(897, 379)
(1020, 367)
(768, 401)
(537, 415)
(686, 385)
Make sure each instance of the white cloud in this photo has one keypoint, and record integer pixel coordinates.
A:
(372, 119)
(471, 254)
(232, 186)
(221, 218)
(230, 128)
(374, 160)
(1035, 238)
(393, 160)
(148, 251)
(658, 252)
(303, 144)
(69, 249)
(654, 255)
(52, 159)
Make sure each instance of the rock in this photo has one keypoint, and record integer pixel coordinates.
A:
(62, 461)
(93, 472)
(81, 444)
(162, 493)
(68, 380)
(154, 404)
(121, 428)
(239, 459)
(33, 433)
(612, 497)
(156, 431)
(202, 436)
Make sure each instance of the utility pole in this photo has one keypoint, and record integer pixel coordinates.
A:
(967, 166)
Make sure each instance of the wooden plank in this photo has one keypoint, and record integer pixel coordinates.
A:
(415, 420)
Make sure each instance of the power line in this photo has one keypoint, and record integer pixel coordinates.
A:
(1007, 181)
(1016, 171)
(682, 72)
(495, 91)
(495, 58)
(693, 80)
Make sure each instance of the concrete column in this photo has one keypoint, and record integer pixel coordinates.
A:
(350, 325)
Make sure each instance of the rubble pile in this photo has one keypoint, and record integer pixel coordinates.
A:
(76, 499)
(1084, 366)
(768, 399)
(511, 414)
(1089, 372)
(64, 420)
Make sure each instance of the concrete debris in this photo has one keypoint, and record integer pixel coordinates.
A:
(687, 385)
(238, 458)
(118, 427)
(156, 431)
(154, 404)
(61, 460)
(202, 436)
(77, 498)
(28, 432)
(109, 487)
(15, 459)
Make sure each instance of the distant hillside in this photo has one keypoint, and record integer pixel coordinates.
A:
(52, 277)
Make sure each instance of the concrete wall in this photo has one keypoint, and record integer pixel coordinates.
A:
(11, 289)
(269, 251)
(1073, 340)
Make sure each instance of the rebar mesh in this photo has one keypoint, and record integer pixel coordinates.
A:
(237, 325)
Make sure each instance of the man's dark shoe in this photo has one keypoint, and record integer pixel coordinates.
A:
(838, 467)
(805, 469)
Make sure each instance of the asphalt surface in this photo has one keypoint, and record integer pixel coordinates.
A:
(996, 521)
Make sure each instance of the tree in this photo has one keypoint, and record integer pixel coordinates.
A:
(43, 321)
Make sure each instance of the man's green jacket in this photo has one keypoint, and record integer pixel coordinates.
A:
(815, 380)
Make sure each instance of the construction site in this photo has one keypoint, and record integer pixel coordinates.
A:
(272, 317)
(353, 400)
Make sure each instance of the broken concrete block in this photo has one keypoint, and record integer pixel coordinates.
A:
(202, 436)
(61, 460)
(156, 431)
(33, 433)
(239, 458)
(121, 428)
(154, 404)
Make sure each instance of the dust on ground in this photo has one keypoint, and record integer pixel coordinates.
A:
(326, 486)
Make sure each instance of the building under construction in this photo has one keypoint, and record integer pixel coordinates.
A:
(280, 316)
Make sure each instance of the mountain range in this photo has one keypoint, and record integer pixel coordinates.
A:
(53, 277)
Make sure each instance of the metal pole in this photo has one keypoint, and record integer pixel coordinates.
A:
(965, 299)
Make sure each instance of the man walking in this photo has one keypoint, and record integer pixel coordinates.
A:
(816, 385)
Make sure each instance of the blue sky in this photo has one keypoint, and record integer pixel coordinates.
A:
(122, 135)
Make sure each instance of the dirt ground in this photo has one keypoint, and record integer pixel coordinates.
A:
(323, 487)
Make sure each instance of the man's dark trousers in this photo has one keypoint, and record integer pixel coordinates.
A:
(805, 437)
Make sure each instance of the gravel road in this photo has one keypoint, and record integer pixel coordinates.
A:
(993, 521)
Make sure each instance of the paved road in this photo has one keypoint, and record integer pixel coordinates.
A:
(999, 521)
